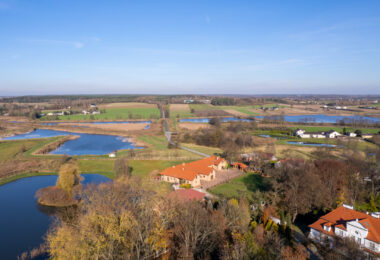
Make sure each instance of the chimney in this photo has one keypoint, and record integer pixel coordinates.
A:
(183, 164)
(173, 166)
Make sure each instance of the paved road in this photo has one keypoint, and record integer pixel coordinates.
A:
(168, 135)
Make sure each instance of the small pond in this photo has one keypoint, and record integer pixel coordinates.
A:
(91, 144)
(322, 118)
(311, 144)
(24, 222)
(207, 120)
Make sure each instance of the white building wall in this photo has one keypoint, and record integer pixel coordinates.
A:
(357, 231)
(373, 246)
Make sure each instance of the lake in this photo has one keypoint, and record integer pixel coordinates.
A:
(207, 120)
(89, 144)
(23, 221)
(322, 118)
(311, 144)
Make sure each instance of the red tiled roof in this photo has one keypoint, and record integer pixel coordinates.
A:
(241, 165)
(188, 171)
(340, 216)
(186, 194)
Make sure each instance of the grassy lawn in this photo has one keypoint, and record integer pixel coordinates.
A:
(140, 168)
(242, 109)
(270, 105)
(175, 112)
(118, 113)
(359, 144)
(157, 142)
(242, 186)
(10, 149)
(203, 149)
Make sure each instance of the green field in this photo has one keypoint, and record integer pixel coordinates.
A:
(116, 114)
(157, 142)
(139, 167)
(359, 144)
(243, 186)
(181, 113)
(242, 109)
(203, 149)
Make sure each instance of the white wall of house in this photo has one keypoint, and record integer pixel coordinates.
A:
(373, 246)
(317, 136)
(357, 231)
(333, 134)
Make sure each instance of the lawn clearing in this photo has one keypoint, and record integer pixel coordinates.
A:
(118, 114)
(127, 105)
(156, 142)
(243, 186)
(140, 168)
(203, 149)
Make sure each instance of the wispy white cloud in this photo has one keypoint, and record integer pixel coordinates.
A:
(94, 39)
(74, 44)
(334, 28)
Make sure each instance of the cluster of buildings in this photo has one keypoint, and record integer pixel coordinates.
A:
(336, 107)
(92, 111)
(329, 134)
(192, 173)
(274, 108)
(345, 222)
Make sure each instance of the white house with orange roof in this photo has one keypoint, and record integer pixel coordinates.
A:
(344, 221)
(192, 173)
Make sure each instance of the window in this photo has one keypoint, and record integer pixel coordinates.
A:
(372, 246)
(359, 240)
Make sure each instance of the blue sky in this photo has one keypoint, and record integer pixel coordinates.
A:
(193, 46)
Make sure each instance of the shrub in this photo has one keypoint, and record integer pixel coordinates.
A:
(185, 186)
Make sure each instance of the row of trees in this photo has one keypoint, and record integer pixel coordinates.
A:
(132, 219)
(300, 187)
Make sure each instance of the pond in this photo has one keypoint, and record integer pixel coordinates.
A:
(322, 118)
(207, 120)
(311, 144)
(90, 144)
(24, 222)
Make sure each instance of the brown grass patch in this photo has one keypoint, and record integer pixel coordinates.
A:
(127, 105)
(179, 107)
(193, 126)
(112, 127)
(235, 112)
